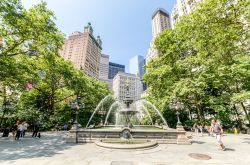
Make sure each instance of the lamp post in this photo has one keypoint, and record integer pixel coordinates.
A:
(77, 105)
(175, 104)
(178, 118)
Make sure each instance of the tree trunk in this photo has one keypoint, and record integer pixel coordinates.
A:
(238, 116)
(199, 109)
(241, 103)
(4, 103)
(2, 117)
(245, 111)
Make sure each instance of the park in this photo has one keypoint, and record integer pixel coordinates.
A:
(191, 105)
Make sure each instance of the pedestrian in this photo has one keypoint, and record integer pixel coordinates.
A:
(65, 127)
(200, 127)
(19, 131)
(14, 130)
(25, 127)
(35, 130)
(210, 132)
(196, 128)
(218, 131)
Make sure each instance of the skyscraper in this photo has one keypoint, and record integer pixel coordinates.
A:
(104, 67)
(84, 50)
(182, 7)
(123, 80)
(160, 22)
(114, 69)
(136, 65)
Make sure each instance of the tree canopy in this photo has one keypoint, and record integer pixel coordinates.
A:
(205, 62)
(35, 81)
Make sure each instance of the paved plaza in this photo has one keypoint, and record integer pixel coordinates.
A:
(52, 150)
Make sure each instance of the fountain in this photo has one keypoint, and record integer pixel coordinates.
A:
(125, 129)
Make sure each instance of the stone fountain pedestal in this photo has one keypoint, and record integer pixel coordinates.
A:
(164, 136)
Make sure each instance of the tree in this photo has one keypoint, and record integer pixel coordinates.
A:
(29, 54)
(203, 63)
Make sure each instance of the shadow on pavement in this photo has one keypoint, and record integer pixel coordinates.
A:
(47, 146)
(197, 142)
(229, 149)
(247, 140)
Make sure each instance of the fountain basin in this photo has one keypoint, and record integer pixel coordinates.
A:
(126, 144)
(151, 133)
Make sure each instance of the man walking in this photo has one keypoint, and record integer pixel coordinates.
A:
(25, 127)
(211, 133)
(35, 130)
(218, 131)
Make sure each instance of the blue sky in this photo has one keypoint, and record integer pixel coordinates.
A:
(124, 25)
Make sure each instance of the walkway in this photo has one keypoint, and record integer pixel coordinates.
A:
(51, 150)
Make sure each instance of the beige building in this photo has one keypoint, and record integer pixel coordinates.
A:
(120, 83)
(182, 7)
(84, 50)
(160, 22)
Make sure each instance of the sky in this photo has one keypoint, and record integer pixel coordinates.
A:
(123, 25)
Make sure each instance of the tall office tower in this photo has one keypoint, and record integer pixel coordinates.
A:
(123, 80)
(104, 67)
(104, 70)
(114, 69)
(136, 65)
(84, 50)
(160, 22)
(182, 7)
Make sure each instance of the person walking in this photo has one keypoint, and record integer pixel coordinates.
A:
(14, 130)
(25, 127)
(19, 131)
(65, 127)
(200, 130)
(35, 130)
(218, 131)
(196, 130)
(210, 132)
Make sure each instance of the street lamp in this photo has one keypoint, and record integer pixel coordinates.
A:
(77, 105)
(175, 104)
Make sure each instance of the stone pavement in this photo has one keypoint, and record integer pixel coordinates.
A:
(52, 150)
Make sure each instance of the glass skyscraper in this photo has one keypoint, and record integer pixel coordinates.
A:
(136, 65)
(114, 69)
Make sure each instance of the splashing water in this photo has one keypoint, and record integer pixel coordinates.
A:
(110, 109)
(140, 106)
(138, 109)
(98, 107)
(156, 110)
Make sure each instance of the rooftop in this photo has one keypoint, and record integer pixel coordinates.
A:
(160, 10)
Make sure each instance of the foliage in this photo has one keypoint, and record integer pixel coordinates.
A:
(29, 54)
(205, 61)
